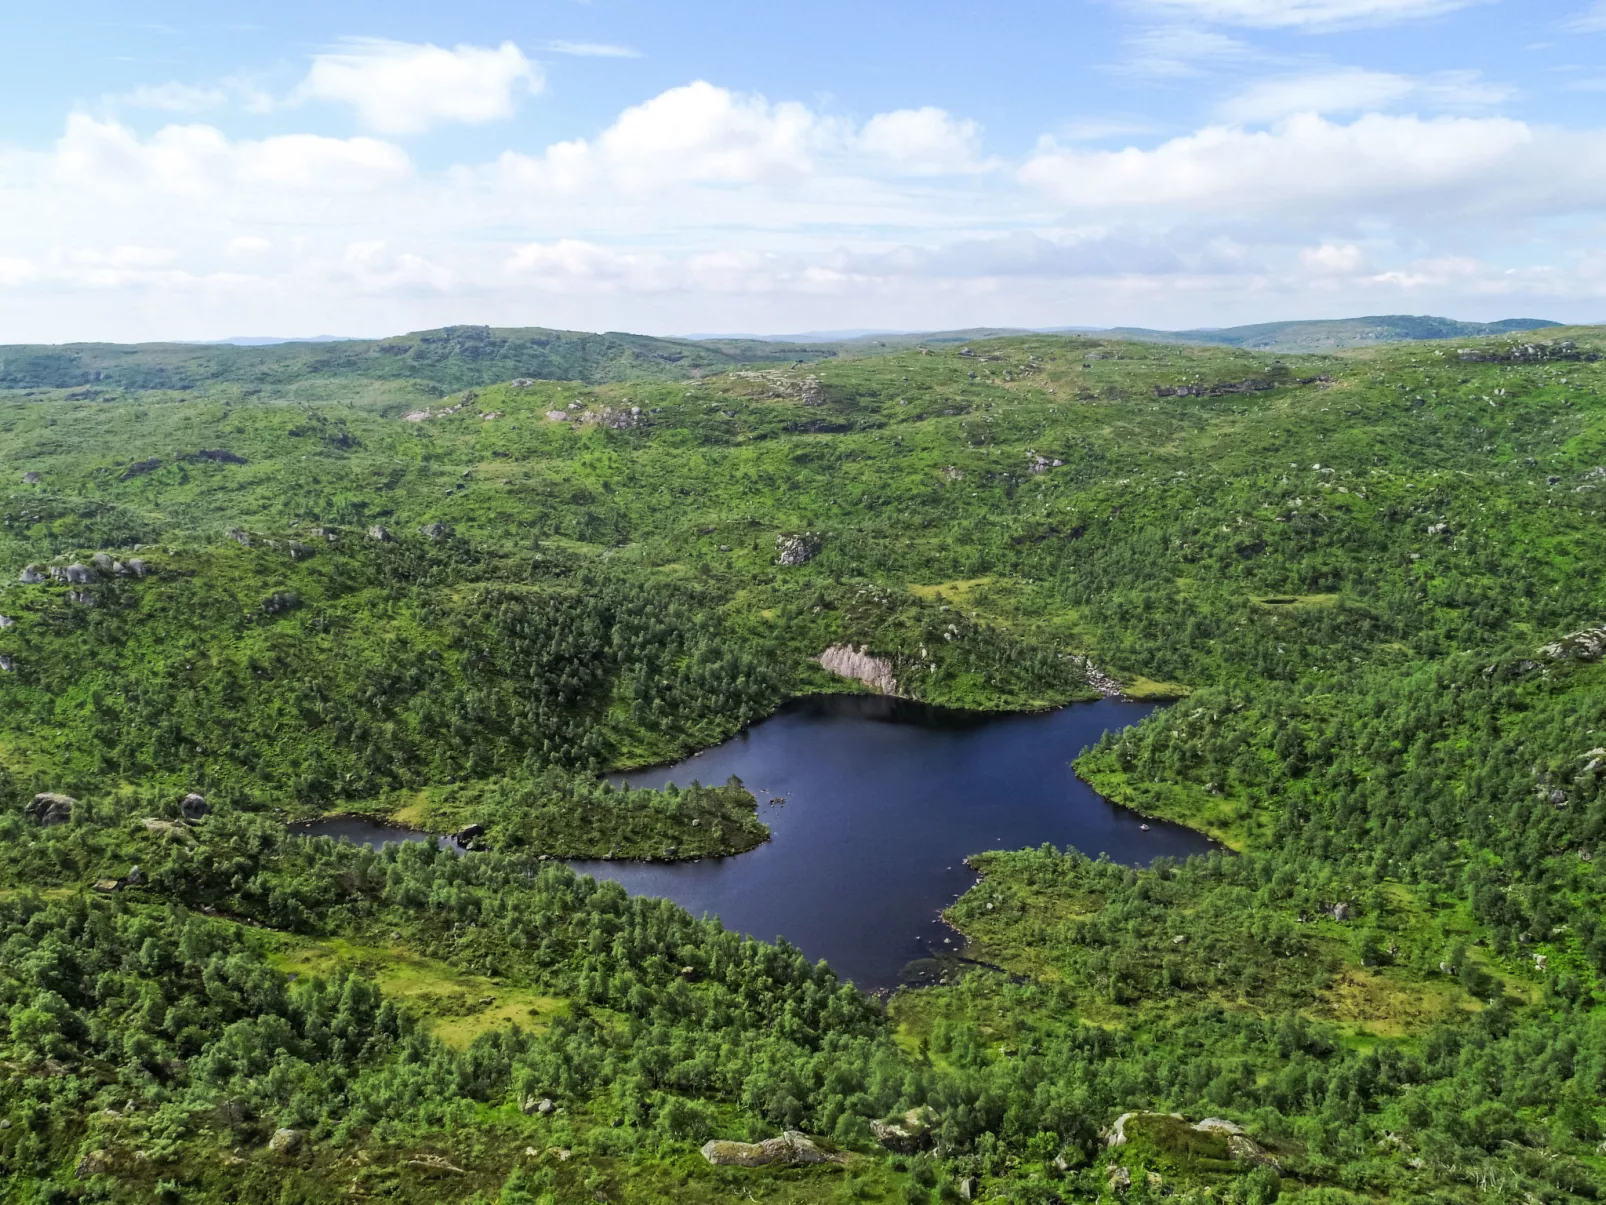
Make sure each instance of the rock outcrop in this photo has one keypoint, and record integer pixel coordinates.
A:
(48, 808)
(797, 549)
(285, 1142)
(790, 1149)
(845, 661)
(907, 1135)
(1587, 645)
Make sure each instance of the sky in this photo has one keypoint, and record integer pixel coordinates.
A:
(194, 171)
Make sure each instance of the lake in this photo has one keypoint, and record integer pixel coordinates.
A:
(873, 804)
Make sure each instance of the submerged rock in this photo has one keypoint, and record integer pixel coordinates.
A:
(791, 1148)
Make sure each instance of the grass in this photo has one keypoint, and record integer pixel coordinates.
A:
(455, 1006)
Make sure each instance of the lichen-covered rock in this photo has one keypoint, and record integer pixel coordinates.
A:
(48, 808)
(907, 1135)
(845, 661)
(797, 549)
(790, 1149)
(1587, 645)
(284, 1141)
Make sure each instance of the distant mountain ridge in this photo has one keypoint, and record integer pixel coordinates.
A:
(454, 357)
(1332, 334)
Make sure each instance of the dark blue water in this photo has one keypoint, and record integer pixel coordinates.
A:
(883, 800)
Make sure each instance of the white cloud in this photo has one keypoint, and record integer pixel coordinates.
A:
(404, 88)
(197, 159)
(696, 133)
(1373, 163)
(248, 246)
(1333, 259)
(172, 97)
(706, 208)
(1304, 14)
(1179, 51)
(592, 50)
(1356, 90)
(926, 141)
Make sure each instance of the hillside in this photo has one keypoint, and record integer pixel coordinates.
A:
(1330, 334)
(452, 358)
(1371, 584)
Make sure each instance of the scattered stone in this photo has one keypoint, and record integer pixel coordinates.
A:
(908, 1135)
(415, 416)
(140, 467)
(30, 479)
(284, 1141)
(220, 455)
(299, 551)
(1340, 912)
(7, 665)
(238, 536)
(1042, 464)
(31, 576)
(170, 830)
(790, 1149)
(557, 416)
(968, 1188)
(80, 574)
(135, 876)
(132, 567)
(1120, 1179)
(102, 562)
(107, 886)
(845, 661)
(280, 601)
(1439, 529)
(5, 622)
(82, 597)
(468, 832)
(192, 807)
(49, 808)
(382, 534)
(433, 531)
(797, 549)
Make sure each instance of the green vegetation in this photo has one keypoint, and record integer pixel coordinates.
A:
(1327, 334)
(438, 595)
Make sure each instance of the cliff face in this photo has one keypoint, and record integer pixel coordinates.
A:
(847, 662)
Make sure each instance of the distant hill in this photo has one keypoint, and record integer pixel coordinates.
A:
(1330, 334)
(454, 357)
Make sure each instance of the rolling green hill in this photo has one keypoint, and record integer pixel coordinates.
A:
(1329, 334)
(452, 358)
(1371, 584)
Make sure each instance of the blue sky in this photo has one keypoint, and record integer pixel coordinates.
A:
(191, 171)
